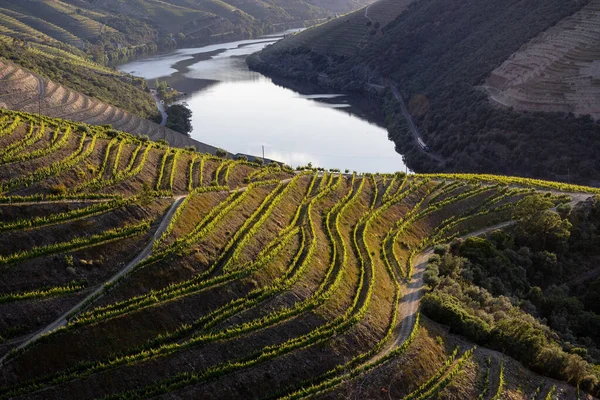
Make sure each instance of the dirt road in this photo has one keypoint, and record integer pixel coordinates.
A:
(161, 108)
(97, 293)
(413, 292)
(411, 124)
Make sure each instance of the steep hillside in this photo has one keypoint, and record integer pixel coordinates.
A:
(436, 56)
(556, 71)
(124, 28)
(346, 35)
(135, 270)
(80, 74)
(25, 91)
(72, 41)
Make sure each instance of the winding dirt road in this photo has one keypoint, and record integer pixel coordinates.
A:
(161, 108)
(367, 12)
(414, 290)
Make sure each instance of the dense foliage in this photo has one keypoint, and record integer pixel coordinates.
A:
(441, 51)
(521, 291)
(180, 118)
(437, 53)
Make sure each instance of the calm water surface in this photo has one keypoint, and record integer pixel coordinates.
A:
(241, 111)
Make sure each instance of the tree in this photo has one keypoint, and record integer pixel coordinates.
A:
(530, 206)
(180, 118)
(538, 227)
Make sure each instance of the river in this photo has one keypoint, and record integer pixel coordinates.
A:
(243, 111)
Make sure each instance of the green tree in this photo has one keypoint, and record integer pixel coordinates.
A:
(538, 227)
(180, 118)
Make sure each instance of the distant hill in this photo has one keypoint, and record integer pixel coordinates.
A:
(23, 90)
(444, 57)
(131, 269)
(348, 34)
(75, 42)
(119, 29)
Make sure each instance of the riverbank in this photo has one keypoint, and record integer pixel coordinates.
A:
(243, 111)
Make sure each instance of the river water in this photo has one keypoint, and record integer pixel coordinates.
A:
(241, 111)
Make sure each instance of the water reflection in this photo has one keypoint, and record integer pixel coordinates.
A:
(243, 111)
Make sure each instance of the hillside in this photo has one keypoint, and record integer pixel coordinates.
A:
(25, 91)
(555, 71)
(72, 42)
(111, 30)
(348, 34)
(80, 74)
(131, 270)
(439, 57)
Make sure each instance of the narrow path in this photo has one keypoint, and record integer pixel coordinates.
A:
(367, 12)
(494, 383)
(83, 200)
(44, 202)
(411, 124)
(97, 293)
(414, 291)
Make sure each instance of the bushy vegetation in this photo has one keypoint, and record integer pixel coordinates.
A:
(497, 290)
(444, 60)
(437, 53)
(180, 118)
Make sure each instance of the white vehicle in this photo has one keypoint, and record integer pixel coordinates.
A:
(423, 145)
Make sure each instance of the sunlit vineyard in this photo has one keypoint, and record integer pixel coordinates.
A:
(131, 269)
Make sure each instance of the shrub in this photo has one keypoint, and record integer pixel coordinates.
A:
(113, 133)
(221, 153)
(440, 249)
(58, 190)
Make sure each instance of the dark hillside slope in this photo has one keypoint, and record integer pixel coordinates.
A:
(207, 19)
(437, 53)
(344, 36)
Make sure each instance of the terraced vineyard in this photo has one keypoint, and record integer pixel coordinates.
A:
(25, 91)
(60, 21)
(556, 71)
(126, 275)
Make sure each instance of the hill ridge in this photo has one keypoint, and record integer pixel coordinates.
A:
(24, 95)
